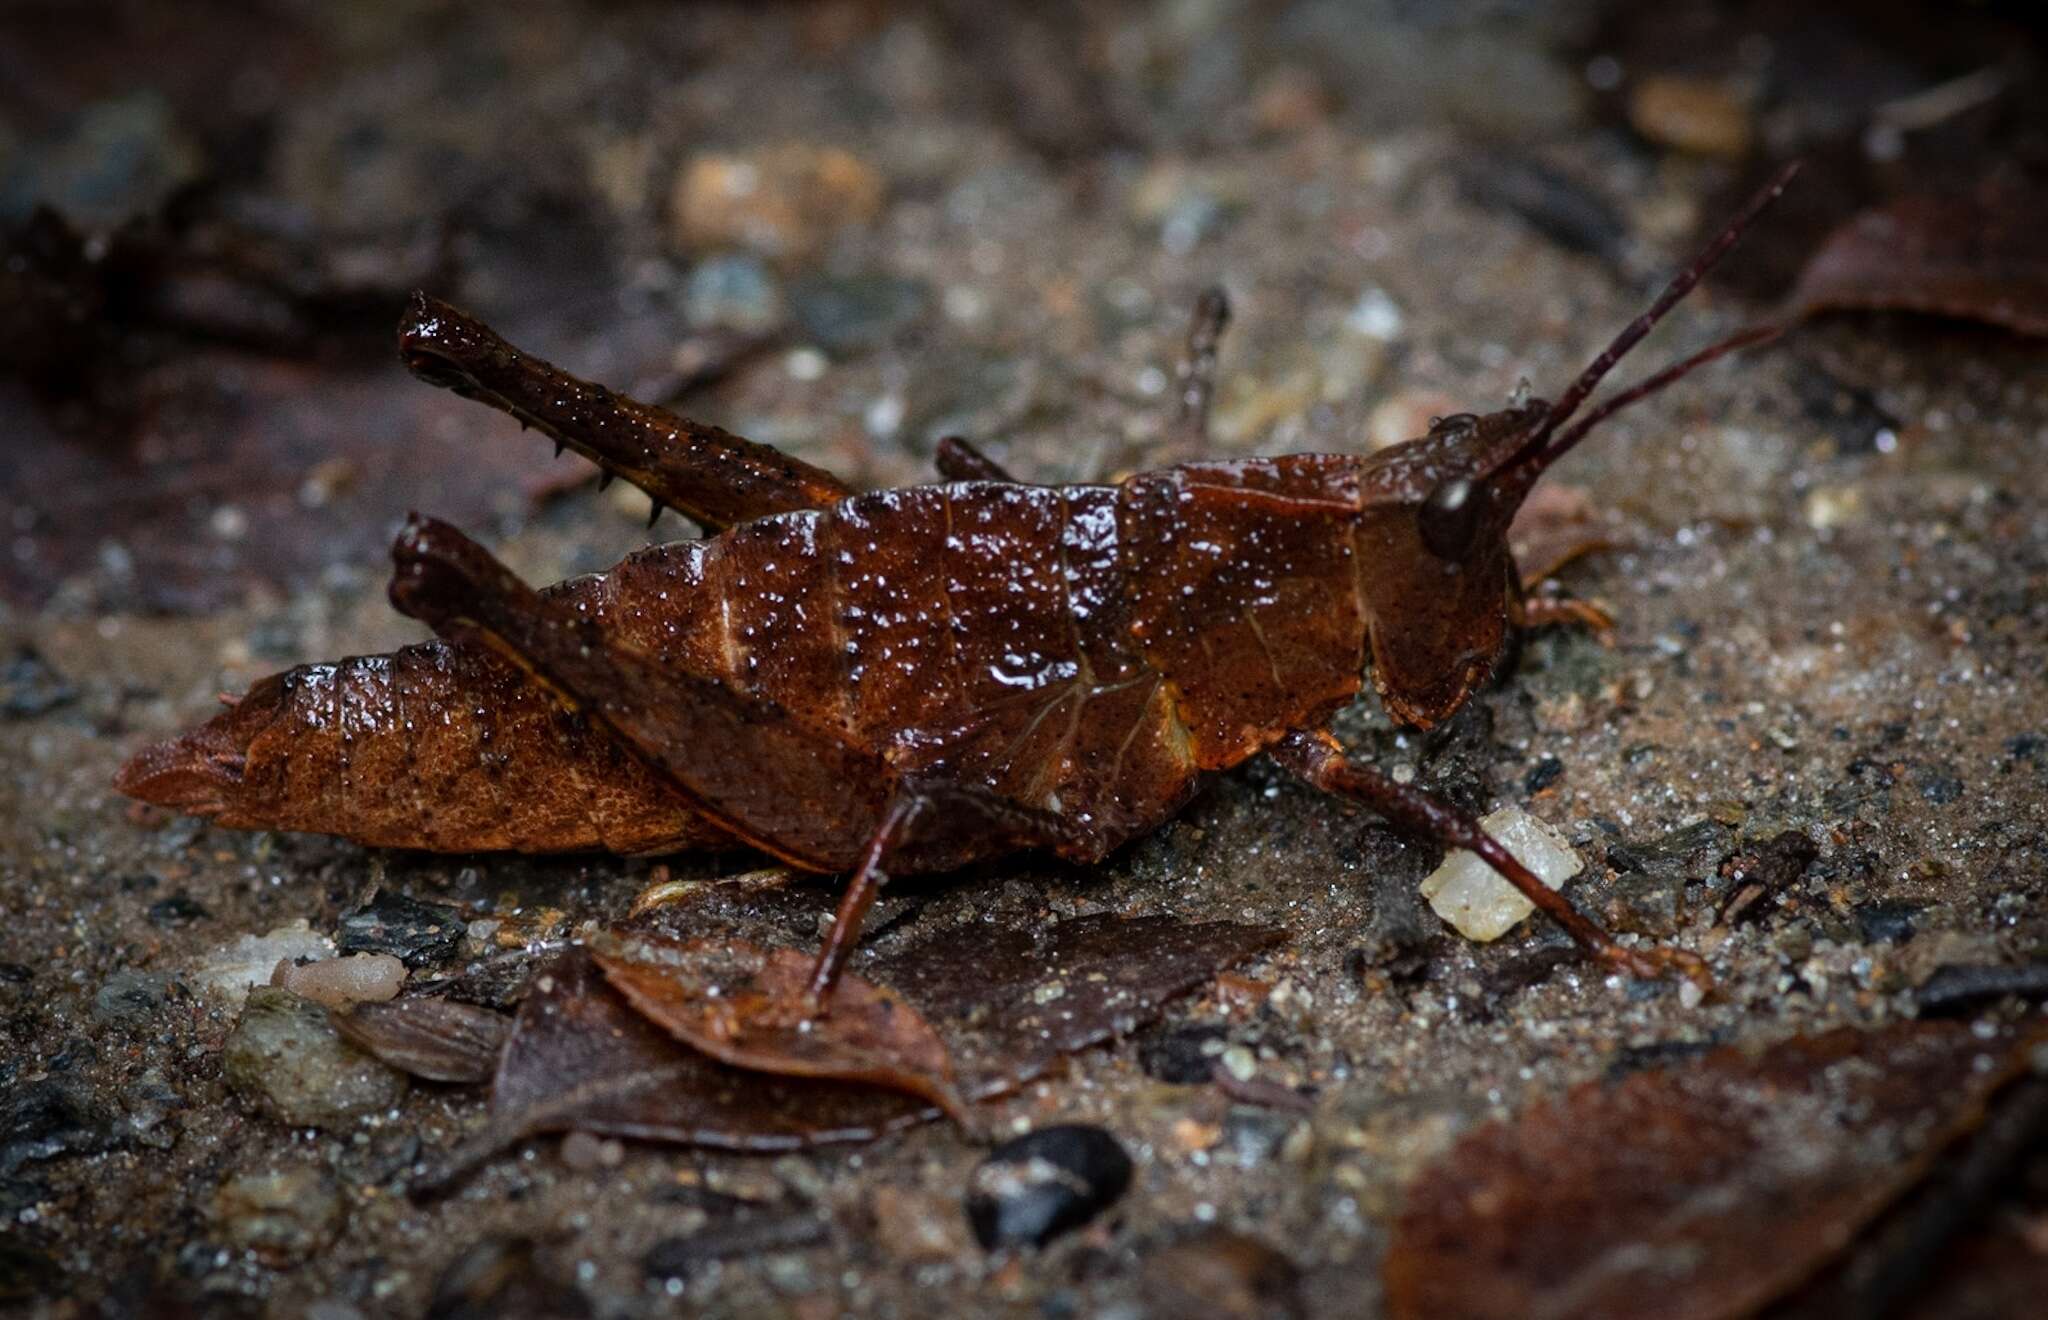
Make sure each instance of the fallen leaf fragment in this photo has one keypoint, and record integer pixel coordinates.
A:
(1978, 257)
(745, 1005)
(1712, 1187)
(581, 1059)
(1009, 1003)
(1949, 1218)
(1004, 1004)
(436, 1039)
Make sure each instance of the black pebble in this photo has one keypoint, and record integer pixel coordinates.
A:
(177, 910)
(421, 934)
(52, 1117)
(1886, 922)
(1181, 1055)
(1031, 1190)
(1543, 774)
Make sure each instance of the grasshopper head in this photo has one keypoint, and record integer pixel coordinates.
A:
(1435, 572)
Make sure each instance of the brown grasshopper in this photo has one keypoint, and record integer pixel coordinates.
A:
(912, 680)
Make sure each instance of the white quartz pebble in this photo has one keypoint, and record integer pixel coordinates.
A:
(1466, 892)
(230, 970)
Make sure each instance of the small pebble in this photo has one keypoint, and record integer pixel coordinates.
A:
(733, 290)
(1224, 1275)
(178, 910)
(1256, 1135)
(229, 971)
(286, 1059)
(30, 687)
(359, 978)
(1482, 906)
(1375, 315)
(585, 1151)
(915, 1225)
(1543, 774)
(129, 998)
(1030, 1190)
(1184, 1056)
(1649, 903)
(1886, 922)
(843, 314)
(422, 934)
(783, 202)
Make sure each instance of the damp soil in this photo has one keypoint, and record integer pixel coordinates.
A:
(881, 225)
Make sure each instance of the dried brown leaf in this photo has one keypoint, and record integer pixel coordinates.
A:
(745, 1005)
(1701, 1190)
(1981, 257)
(1010, 1002)
(581, 1059)
(437, 1039)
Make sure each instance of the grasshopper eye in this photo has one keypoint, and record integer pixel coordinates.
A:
(1457, 425)
(1449, 518)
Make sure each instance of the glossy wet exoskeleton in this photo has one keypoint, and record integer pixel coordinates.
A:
(910, 679)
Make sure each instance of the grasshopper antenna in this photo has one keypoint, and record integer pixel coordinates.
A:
(1539, 442)
(1741, 339)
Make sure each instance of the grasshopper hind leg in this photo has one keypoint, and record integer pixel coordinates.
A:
(811, 799)
(712, 476)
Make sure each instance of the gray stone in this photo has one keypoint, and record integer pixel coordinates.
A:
(129, 998)
(289, 1062)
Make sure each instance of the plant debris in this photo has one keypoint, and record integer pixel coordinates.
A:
(989, 1007)
(439, 1040)
(747, 1006)
(1962, 987)
(1714, 1186)
(1010, 1002)
(1977, 257)
(749, 1235)
(581, 1059)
